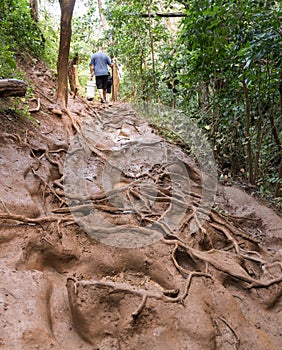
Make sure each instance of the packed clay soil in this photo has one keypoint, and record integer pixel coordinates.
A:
(105, 244)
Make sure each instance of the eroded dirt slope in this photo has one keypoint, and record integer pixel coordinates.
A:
(109, 241)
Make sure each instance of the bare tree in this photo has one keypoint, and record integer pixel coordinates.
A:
(67, 7)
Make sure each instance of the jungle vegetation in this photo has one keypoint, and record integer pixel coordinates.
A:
(218, 61)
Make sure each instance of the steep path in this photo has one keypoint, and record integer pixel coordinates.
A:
(113, 238)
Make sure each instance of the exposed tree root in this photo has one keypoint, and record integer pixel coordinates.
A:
(182, 297)
(165, 295)
(61, 201)
(150, 203)
(89, 207)
(221, 262)
(5, 207)
(54, 162)
(37, 108)
(76, 124)
(140, 308)
(235, 230)
(123, 287)
(237, 339)
(40, 220)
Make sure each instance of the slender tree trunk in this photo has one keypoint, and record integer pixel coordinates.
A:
(34, 9)
(152, 54)
(35, 15)
(278, 184)
(67, 7)
(276, 136)
(274, 130)
(280, 91)
(73, 74)
(131, 74)
(259, 134)
(115, 86)
(247, 131)
(102, 17)
(142, 76)
(141, 66)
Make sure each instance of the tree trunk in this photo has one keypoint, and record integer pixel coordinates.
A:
(115, 86)
(141, 66)
(152, 54)
(274, 130)
(102, 17)
(132, 82)
(34, 9)
(67, 7)
(278, 184)
(12, 87)
(260, 132)
(280, 91)
(247, 131)
(73, 74)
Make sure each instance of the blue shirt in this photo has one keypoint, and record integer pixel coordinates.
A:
(100, 61)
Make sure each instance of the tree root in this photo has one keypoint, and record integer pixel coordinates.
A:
(139, 198)
(40, 220)
(47, 185)
(76, 124)
(42, 93)
(54, 162)
(45, 151)
(37, 108)
(5, 207)
(235, 230)
(123, 287)
(213, 257)
(165, 295)
(90, 206)
(237, 339)
(188, 284)
(140, 308)
(234, 243)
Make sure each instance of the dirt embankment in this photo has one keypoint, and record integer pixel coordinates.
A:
(111, 239)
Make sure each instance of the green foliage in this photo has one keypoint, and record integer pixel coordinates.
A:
(221, 65)
(7, 61)
(224, 43)
(18, 33)
(49, 27)
(85, 30)
(18, 26)
(133, 37)
(201, 64)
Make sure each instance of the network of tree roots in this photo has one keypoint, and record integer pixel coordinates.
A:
(186, 258)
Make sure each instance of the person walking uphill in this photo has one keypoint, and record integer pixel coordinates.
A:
(99, 67)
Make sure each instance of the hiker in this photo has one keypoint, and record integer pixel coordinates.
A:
(99, 67)
(109, 87)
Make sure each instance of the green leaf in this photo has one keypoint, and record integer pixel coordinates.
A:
(11, 62)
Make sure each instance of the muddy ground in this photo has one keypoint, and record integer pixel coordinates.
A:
(112, 238)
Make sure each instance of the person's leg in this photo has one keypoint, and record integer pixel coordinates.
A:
(105, 95)
(105, 82)
(101, 94)
(109, 90)
(100, 87)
